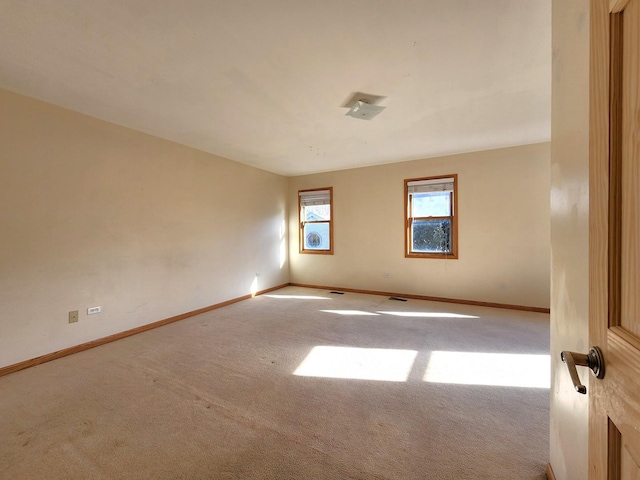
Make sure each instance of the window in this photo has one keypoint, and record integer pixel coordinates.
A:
(316, 228)
(431, 217)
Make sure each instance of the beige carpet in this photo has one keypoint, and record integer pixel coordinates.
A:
(215, 396)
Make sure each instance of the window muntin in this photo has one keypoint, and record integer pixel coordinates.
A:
(315, 214)
(430, 214)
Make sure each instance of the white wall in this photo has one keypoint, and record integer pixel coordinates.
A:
(96, 214)
(503, 206)
(569, 233)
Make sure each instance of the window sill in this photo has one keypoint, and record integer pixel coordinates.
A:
(442, 256)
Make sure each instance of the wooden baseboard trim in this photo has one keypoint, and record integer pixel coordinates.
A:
(271, 289)
(433, 299)
(127, 333)
(550, 474)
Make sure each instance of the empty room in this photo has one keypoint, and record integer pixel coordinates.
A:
(332, 240)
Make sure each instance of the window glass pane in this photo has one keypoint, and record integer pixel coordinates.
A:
(316, 236)
(431, 204)
(313, 213)
(431, 236)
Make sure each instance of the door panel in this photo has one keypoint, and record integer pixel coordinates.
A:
(614, 252)
(630, 467)
(630, 255)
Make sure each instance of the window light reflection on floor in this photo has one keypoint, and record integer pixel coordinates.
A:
(429, 314)
(358, 363)
(300, 297)
(349, 312)
(497, 369)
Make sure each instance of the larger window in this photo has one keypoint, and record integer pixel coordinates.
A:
(316, 213)
(431, 217)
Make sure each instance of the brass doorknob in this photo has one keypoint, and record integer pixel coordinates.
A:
(593, 360)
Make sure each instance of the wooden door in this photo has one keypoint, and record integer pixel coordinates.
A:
(614, 248)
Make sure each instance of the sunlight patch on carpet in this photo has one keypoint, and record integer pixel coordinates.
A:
(429, 314)
(358, 363)
(497, 369)
(349, 312)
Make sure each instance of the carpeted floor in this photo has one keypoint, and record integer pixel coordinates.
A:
(296, 384)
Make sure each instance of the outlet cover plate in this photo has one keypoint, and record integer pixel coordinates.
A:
(94, 310)
(73, 316)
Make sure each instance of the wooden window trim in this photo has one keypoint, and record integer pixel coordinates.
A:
(453, 255)
(301, 248)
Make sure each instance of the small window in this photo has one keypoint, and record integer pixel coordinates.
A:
(316, 228)
(431, 217)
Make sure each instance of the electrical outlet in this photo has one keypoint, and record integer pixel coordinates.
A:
(73, 316)
(94, 310)
(386, 275)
